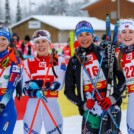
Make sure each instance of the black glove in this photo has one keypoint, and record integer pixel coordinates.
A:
(2, 106)
(104, 44)
(19, 90)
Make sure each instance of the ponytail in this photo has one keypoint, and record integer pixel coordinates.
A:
(119, 60)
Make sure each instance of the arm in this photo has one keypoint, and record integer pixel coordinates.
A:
(60, 71)
(121, 83)
(70, 82)
(12, 82)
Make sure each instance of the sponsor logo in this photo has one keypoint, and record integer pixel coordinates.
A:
(42, 64)
(86, 88)
(129, 56)
(132, 87)
(63, 66)
(90, 57)
(15, 69)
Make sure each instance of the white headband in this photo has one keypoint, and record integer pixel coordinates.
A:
(126, 24)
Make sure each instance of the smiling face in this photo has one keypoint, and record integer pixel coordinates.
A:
(3, 43)
(85, 39)
(42, 47)
(127, 37)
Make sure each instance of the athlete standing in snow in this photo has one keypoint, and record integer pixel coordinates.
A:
(126, 62)
(9, 76)
(82, 71)
(42, 80)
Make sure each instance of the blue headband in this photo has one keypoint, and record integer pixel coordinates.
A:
(84, 29)
(4, 33)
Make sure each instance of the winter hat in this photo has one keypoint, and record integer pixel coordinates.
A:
(41, 34)
(27, 38)
(83, 26)
(5, 31)
(126, 24)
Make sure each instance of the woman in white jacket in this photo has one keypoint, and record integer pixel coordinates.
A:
(42, 80)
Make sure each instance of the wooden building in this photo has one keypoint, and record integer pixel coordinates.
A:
(116, 9)
(58, 26)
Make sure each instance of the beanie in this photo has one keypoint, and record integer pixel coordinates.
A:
(83, 26)
(27, 38)
(41, 34)
(5, 31)
(126, 24)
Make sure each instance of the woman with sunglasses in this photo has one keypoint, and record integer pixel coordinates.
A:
(42, 80)
(87, 72)
(126, 63)
(9, 76)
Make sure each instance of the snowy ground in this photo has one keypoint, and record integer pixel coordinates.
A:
(72, 125)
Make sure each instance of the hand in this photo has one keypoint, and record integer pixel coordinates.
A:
(2, 106)
(103, 45)
(105, 103)
(90, 103)
(52, 86)
(40, 95)
(33, 86)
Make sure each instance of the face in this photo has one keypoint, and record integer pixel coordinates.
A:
(42, 47)
(3, 43)
(85, 39)
(127, 37)
(15, 37)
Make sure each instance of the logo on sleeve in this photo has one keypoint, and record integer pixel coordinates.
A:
(63, 66)
(15, 69)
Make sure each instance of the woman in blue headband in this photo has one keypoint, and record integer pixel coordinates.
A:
(87, 72)
(9, 76)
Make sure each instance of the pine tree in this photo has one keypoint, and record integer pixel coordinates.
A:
(7, 13)
(18, 14)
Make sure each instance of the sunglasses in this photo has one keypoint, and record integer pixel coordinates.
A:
(4, 28)
(82, 24)
(39, 34)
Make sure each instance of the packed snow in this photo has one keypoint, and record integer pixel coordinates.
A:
(72, 125)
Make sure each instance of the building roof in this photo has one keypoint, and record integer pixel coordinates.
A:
(96, 1)
(66, 22)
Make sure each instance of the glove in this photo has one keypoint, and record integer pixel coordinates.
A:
(90, 103)
(103, 45)
(2, 106)
(52, 86)
(105, 103)
(33, 86)
(18, 90)
(40, 95)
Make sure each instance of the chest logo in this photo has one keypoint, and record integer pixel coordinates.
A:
(42, 64)
(129, 56)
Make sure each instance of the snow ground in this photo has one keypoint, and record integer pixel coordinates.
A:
(72, 125)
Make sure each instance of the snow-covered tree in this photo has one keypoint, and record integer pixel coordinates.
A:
(7, 13)
(75, 9)
(18, 14)
(54, 7)
(61, 7)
